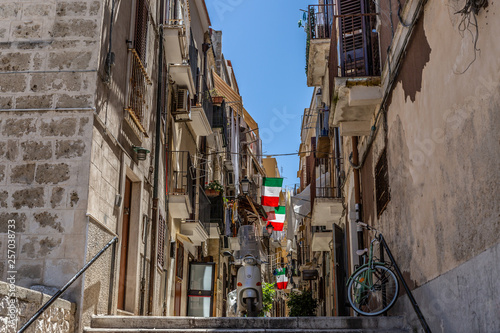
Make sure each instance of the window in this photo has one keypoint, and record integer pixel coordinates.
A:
(141, 29)
(382, 183)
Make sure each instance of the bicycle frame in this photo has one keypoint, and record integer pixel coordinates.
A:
(370, 263)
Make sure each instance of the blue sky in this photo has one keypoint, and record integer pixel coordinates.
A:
(267, 50)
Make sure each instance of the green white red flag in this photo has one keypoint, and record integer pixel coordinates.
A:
(281, 278)
(272, 190)
(277, 217)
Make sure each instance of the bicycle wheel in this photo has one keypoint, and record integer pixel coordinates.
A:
(373, 291)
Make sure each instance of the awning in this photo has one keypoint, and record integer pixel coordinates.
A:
(223, 89)
(257, 212)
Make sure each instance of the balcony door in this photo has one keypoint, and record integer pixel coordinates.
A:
(201, 289)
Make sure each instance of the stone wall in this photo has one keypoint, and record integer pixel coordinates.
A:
(59, 317)
(48, 74)
(48, 54)
(44, 176)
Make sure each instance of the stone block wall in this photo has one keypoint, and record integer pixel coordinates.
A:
(44, 173)
(59, 317)
(48, 54)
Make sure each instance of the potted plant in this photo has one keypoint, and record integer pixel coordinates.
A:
(214, 188)
(217, 99)
(302, 304)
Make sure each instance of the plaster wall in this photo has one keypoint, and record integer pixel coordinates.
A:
(443, 152)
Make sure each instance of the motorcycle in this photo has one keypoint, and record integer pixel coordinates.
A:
(249, 282)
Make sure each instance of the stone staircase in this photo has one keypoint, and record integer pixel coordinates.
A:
(129, 324)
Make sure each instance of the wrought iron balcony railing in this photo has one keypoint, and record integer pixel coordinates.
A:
(326, 183)
(176, 13)
(320, 19)
(136, 104)
(217, 211)
(204, 214)
(182, 176)
(219, 120)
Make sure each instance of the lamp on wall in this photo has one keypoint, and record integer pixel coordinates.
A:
(141, 152)
(245, 184)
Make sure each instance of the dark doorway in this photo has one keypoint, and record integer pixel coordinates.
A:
(340, 272)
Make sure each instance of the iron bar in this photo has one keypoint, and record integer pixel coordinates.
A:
(407, 289)
(66, 286)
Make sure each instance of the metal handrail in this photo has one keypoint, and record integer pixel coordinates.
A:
(66, 286)
(413, 302)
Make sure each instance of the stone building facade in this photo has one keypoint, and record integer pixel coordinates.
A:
(67, 146)
(111, 126)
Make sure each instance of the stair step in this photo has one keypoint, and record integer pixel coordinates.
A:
(236, 330)
(110, 324)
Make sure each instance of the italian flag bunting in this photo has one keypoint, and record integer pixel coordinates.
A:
(281, 279)
(272, 190)
(277, 218)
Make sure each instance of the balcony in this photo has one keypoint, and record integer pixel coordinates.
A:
(199, 230)
(321, 239)
(319, 29)
(216, 216)
(325, 195)
(354, 67)
(219, 121)
(175, 30)
(202, 113)
(185, 73)
(136, 101)
(181, 186)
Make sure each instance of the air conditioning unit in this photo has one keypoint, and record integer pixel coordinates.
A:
(182, 101)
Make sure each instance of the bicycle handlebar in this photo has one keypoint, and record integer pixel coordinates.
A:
(366, 226)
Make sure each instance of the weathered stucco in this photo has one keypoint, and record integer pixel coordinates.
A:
(443, 155)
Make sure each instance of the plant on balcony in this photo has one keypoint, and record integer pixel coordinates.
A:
(214, 187)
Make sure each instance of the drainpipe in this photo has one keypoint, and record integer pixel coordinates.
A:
(357, 195)
(154, 224)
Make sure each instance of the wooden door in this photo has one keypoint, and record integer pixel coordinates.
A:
(124, 245)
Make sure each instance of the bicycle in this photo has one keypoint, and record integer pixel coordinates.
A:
(373, 287)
